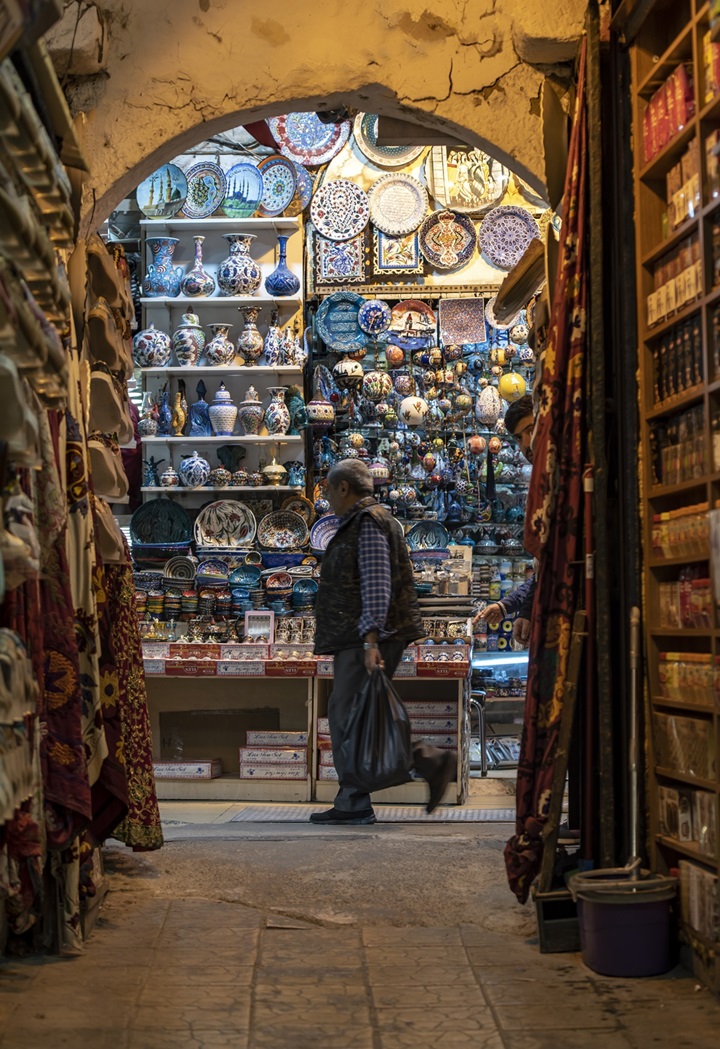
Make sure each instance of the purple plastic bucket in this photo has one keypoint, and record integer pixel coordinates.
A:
(625, 924)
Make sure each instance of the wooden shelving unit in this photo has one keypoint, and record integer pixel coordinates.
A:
(674, 34)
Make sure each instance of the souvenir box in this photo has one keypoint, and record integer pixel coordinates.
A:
(448, 670)
(405, 669)
(155, 649)
(445, 740)
(290, 667)
(275, 738)
(185, 650)
(428, 708)
(324, 667)
(241, 667)
(153, 667)
(245, 651)
(327, 772)
(190, 668)
(273, 755)
(251, 770)
(326, 758)
(420, 726)
(209, 769)
(323, 726)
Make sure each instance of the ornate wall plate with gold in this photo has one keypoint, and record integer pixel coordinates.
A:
(447, 240)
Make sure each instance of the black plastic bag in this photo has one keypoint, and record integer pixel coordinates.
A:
(376, 750)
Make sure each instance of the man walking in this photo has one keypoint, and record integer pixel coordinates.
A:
(366, 613)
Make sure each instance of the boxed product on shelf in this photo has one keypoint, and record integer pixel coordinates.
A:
(668, 811)
(324, 667)
(291, 651)
(686, 677)
(290, 667)
(153, 667)
(444, 740)
(191, 668)
(323, 726)
(681, 533)
(326, 758)
(677, 360)
(705, 821)
(682, 187)
(668, 110)
(430, 708)
(275, 738)
(327, 772)
(250, 770)
(438, 669)
(247, 650)
(241, 667)
(405, 669)
(273, 755)
(210, 769)
(712, 163)
(185, 650)
(420, 725)
(699, 899)
(685, 745)
(156, 649)
(711, 67)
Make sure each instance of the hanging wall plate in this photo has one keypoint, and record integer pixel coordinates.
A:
(206, 190)
(398, 204)
(279, 184)
(464, 179)
(505, 234)
(365, 130)
(244, 190)
(340, 209)
(337, 321)
(305, 139)
(447, 240)
(163, 193)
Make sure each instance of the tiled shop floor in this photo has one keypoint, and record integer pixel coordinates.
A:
(203, 974)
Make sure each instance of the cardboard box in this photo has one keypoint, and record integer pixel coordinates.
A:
(324, 667)
(290, 667)
(421, 725)
(275, 738)
(446, 740)
(326, 772)
(182, 650)
(273, 755)
(207, 769)
(252, 771)
(323, 726)
(405, 670)
(326, 758)
(430, 708)
(218, 732)
(241, 668)
(449, 670)
(190, 668)
(249, 651)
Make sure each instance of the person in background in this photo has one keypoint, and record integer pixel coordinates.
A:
(366, 612)
(520, 425)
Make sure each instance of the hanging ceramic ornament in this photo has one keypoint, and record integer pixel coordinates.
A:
(488, 406)
(511, 386)
(413, 410)
(348, 374)
(376, 385)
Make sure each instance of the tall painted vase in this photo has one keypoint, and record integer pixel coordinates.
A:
(282, 281)
(277, 416)
(162, 278)
(239, 274)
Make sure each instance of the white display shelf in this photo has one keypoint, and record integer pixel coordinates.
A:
(180, 490)
(268, 439)
(222, 223)
(222, 300)
(232, 788)
(224, 369)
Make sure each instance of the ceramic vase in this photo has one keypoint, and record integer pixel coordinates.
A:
(223, 413)
(250, 343)
(282, 281)
(250, 412)
(220, 351)
(188, 341)
(197, 282)
(199, 414)
(238, 274)
(277, 416)
(165, 415)
(272, 345)
(162, 278)
(152, 348)
(147, 423)
(194, 471)
(321, 413)
(220, 477)
(169, 478)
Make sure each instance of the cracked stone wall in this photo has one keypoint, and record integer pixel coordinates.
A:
(176, 72)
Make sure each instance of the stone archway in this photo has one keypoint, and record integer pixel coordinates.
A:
(172, 74)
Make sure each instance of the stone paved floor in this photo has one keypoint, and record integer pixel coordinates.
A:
(171, 965)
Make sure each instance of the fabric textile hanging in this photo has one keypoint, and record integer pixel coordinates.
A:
(553, 521)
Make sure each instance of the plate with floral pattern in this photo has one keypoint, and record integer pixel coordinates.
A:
(447, 239)
(303, 192)
(322, 532)
(206, 190)
(225, 523)
(398, 204)
(365, 130)
(505, 234)
(279, 185)
(305, 139)
(340, 209)
(282, 530)
(374, 316)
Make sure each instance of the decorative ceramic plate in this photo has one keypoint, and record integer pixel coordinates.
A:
(412, 325)
(212, 568)
(337, 321)
(279, 184)
(365, 129)
(163, 194)
(206, 190)
(374, 316)
(244, 190)
(338, 261)
(225, 523)
(278, 580)
(245, 575)
(398, 204)
(427, 535)
(447, 240)
(300, 504)
(340, 209)
(492, 319)
(464, 179)
(283, 530)
(322, 531)
(303, 192)
(180, 568)
(505, 233)
(160, 521)
(305, 139)
(462, 321)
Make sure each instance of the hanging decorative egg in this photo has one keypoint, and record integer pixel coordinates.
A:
(413, 411)
(476, 444)
(429, 462)
(376, 385)
(494, 444)
(404, 385)
(395, 356)
(436, 357)
(488, 406)
(460, 367)
(356, 440)
(512, 386)
(453, 353)
(444, 404)
(348, 374)
(432, 393)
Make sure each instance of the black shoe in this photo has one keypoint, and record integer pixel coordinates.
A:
(445, 773)
(337, 816)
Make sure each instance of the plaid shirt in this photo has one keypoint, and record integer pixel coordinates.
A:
(375, 578)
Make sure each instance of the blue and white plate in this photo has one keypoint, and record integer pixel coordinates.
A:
(337, 321)
(206, 190)
(305, 139)
(244, 190)
(279, 184)
(212, 567)
(303, 192)
(340, 209)
(505, 234)
(374, 316)
(427, 535)
(322, 532)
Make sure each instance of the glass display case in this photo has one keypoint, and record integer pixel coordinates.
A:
(497, 699)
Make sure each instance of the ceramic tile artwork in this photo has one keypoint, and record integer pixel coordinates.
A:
(462, 321)
(396, 254)
(339, 262)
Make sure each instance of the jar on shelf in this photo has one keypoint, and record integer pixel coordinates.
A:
(188, 340)
(223, 412)
(220, 351)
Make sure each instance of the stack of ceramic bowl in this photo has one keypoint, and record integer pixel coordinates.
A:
(278, 591)
(141, 603)
(241, 602)
(155, 604)
(303, 594)
(206, 602)
(173, 604)
(189, 603)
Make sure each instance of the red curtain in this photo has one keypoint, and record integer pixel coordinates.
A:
(553, 522)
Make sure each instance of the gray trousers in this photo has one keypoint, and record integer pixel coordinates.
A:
(349, 677)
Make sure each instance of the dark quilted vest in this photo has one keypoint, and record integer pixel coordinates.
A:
(339, 600)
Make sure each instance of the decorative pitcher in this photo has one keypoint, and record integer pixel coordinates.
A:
(277, 416)
(239, 274)
(162, 278)
(198, 282)
(282, 281)
(220, 350)
(250, 343)
(250, 412)
(188, 340)
(223, 413)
